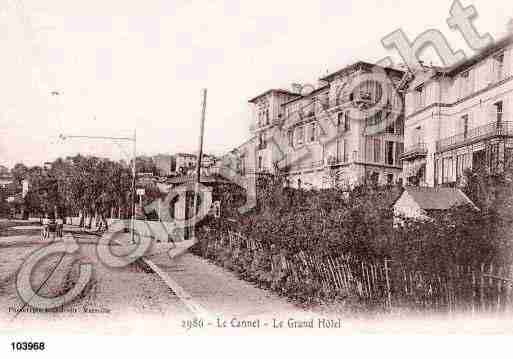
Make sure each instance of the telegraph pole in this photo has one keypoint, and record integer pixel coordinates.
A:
(202, 129)
(200, 154)
(134, 155)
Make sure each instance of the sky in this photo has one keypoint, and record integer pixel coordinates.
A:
(121, 66)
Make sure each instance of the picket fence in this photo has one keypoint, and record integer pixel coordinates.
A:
(387, 284)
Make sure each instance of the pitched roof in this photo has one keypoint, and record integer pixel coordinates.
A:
(481, 55)
(281, 91)
(354, 66)
(439, 198)
(466, 63)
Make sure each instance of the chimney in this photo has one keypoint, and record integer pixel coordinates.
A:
(297, 88)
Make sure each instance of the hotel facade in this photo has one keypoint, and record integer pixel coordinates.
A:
(342, 141)
(459, 118)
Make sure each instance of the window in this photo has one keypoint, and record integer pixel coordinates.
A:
(494, 157)
(242, 166)
(267, 117)
(464, 126)
(466, 86)
(389, 152)
(390, 178)
(312, 132)
(438, 172)
(447, 170)
(498, 66)
(261, 141)
(346, 151)
(498, 113)
(478, 159)
(375, 119)
(417, 136)
(347, 121)
(300, 135)
(340, 119)
(399, 149)
(462, 164)
(259, 162)
(290, 135)
(374, 178)
(377, 150)
(390, 128)
(420, 95)
(299, 183)
(399, 126)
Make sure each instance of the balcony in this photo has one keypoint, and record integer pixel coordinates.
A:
(256, 128)
(490, 130)
(340, 160)
(415, 151)
(302, 166)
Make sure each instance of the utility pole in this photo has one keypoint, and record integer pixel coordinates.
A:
(202, 129)
(200, 154)
(134, 155)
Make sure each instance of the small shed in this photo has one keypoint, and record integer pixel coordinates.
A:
(421, 202)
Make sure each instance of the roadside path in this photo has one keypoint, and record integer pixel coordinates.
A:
(221, 293)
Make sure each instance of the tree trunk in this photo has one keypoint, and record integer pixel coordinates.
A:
(104, 220)
(90, 220)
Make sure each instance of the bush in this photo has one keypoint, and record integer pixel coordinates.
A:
(359, 224)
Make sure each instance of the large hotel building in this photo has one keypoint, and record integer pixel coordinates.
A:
(358, 149)
(437, 123)
(458, 118)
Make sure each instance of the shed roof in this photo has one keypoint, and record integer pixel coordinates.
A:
(439, 198)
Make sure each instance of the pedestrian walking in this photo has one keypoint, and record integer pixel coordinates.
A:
(60, 226)
(45, 231)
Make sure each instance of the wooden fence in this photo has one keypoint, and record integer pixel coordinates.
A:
(386, 284)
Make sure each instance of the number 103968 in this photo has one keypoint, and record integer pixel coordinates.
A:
(24, 346)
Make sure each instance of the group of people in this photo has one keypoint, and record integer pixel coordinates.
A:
(49, 224)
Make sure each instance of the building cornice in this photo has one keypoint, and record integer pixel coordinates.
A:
(464, 99)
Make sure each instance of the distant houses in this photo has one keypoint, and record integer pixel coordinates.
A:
(165, 164)
(186, 162)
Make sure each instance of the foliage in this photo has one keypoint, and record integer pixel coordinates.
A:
(89, 186)
(359, 223)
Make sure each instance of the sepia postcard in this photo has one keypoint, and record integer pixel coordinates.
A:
(221, 168)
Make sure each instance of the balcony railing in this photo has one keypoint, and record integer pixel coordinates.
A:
(490, 130)
(338, 160)
(416, 150)
(303, 166)
(256, 127)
